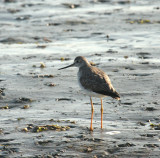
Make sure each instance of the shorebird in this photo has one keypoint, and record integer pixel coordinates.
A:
(94, 82)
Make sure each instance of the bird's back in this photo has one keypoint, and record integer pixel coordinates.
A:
(95, 80)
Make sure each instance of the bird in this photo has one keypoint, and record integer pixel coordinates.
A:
(94, 82)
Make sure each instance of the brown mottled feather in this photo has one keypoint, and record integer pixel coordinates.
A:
(96, 80)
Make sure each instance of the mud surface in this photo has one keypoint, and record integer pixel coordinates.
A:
(44, 113)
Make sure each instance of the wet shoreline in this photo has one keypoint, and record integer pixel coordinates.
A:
(38, 102)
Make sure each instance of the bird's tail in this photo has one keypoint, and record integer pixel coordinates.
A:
(116, 95)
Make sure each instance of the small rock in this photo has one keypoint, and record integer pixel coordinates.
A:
(126, 145)
(150, 109)
(151, 145)
(25, 107)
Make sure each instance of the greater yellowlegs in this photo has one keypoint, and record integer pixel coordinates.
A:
(94, 82)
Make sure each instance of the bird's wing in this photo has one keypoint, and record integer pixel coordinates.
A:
(97, 81)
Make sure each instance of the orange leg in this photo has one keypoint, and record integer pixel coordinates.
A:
(92, 110)
(101, 113)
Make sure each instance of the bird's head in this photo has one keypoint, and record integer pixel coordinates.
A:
(78, 62)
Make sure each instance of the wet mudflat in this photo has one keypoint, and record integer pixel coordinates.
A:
(44, 113)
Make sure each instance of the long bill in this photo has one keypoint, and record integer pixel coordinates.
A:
(66, 66)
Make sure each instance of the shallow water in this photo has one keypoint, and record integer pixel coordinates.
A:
(121, 37)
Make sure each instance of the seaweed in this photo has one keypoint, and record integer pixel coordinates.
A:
(154, 126)
(37, 129)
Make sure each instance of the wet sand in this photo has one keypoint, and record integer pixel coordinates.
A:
(37, 38)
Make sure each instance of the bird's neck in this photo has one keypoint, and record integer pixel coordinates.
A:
(83, 68)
